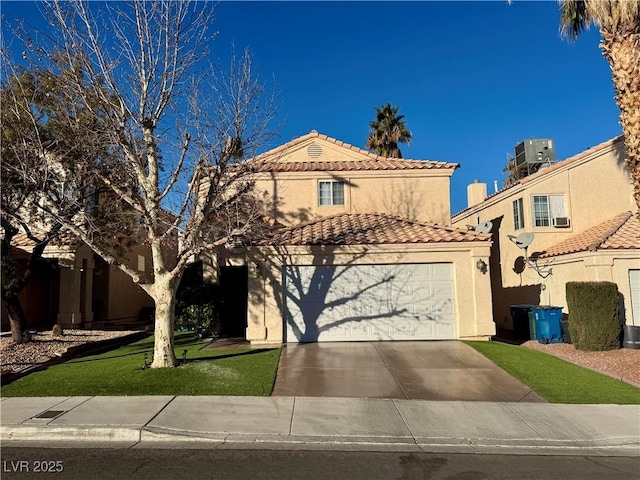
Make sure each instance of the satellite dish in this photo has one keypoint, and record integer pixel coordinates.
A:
(484, 227)
(523, 240)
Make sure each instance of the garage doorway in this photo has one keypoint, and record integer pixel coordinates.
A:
(339, 303)
(634, 288)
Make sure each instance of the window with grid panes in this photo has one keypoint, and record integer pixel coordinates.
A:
(546, 207)
(331, 192)
(518, 214)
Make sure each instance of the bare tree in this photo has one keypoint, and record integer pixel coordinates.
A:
(176, 128)
(41, 145)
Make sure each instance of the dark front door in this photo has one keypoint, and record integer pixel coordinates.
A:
(233, 283)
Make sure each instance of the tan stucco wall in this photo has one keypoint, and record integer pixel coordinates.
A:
(472, 288)
(597, 187)
(76, 286)
(417, 194)
(125, 297)
(414, 194)
(326, 151)
(610, 266)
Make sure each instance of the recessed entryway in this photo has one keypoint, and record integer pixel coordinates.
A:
(234, 291)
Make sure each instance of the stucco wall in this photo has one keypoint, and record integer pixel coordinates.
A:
(610, 266)
(414, 194)
(472, 288)
(125, 297)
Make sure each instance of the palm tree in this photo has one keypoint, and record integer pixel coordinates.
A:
(619, 25)
(386, 131)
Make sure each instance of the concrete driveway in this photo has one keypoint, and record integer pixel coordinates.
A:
(430, 370)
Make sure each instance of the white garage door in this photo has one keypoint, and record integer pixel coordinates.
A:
(369, 302)
(634, 285)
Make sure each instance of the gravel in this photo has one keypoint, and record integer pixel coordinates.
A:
(623, 363)
(44, 346)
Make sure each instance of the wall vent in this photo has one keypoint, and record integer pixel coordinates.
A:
(314, 150)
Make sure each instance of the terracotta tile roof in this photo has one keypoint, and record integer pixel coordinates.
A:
(63, 239)
(373, 162)
(620, 232)
(370, 229)
(350, 165)
(547, 170)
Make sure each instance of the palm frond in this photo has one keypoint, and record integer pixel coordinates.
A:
(574, 18)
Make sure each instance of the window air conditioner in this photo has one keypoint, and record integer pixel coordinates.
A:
(560, 222)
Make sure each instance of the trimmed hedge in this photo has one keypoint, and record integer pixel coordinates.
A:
(593, 315)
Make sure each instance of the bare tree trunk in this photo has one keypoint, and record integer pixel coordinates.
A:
(16, 316)
(11, 284)
(163, 294)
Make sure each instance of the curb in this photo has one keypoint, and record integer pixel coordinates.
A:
(159, 437)
(77, 434)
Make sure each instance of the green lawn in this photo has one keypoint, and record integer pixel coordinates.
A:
(240, 371)
(556, 380)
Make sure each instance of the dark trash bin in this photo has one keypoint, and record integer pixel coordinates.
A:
(548, 324)
(631, 336)
(521, 324)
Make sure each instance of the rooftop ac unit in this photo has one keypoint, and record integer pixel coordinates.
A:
(559, 222)
(535, 151)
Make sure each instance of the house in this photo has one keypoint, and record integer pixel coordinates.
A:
(75, 288)
(585, 227)
(364, 251)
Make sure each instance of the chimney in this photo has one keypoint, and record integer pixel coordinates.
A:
(476, 193)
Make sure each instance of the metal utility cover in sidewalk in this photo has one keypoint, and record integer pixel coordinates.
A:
(369, 302)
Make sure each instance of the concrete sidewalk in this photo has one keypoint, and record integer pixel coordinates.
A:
(311, 422)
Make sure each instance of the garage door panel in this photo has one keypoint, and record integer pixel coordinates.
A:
(634, 287)
(369, 302)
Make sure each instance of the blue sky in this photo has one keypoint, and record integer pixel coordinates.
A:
(473, 79)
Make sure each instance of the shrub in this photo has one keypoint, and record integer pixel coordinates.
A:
(197, 304)
(593, 315)
(200, 319)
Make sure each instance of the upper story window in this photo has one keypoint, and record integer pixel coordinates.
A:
(546, 208)
(331, 192)
(518, 214)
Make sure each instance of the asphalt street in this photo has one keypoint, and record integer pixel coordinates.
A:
(266, 463)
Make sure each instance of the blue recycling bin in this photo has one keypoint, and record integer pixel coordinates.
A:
(548, 324)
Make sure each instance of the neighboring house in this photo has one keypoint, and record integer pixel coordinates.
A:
(585, 225)
(364, 252)
(77, 289)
